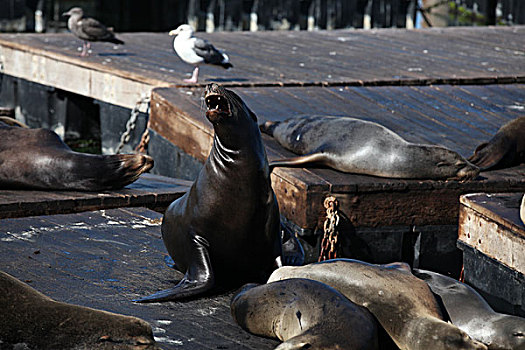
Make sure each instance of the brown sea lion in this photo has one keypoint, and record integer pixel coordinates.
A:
(504, 150)
(472, 314)
(38, 159)
(304, 314)
(402, 303)
(31, 320)
(357, 146)
(226, 227)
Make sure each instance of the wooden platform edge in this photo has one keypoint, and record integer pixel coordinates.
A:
(38, 66)
(496, 239)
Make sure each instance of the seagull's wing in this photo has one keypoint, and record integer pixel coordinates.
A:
(208, 52)
(95, 30)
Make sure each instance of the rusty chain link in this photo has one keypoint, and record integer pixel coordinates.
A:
(132, 122)
(144, 140)
(329, 243)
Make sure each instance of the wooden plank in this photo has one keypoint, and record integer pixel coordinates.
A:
(104, 259)
(121, 74)
(490, 223)
(153, 191)
(458, 117)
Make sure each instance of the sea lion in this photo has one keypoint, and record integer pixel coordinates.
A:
(402, 303)
(304, 314)
(38, 159)
(226, 227)
(504, 150)
(357, 146)
(31, 320)
(473, 315)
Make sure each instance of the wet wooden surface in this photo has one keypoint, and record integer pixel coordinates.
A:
(356, 57)
(457, 117)
(104, 259)
(152, 191)
(490, 223)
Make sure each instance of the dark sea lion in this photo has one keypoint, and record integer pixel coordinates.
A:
(226, 227)
(473, 315)
(31, 320)
(304, 314)
(357, 146)
(38, 159)
(504, 150)
(401, 302)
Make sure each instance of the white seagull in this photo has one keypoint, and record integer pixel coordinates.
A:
(196, 51)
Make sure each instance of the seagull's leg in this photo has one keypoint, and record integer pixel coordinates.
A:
(194, 77)
(88, 44)
(84, 51)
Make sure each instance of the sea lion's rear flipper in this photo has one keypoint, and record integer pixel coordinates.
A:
(198, 279)
(312, 158)
(489, 154)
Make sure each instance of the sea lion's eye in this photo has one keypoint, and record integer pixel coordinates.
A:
(518, 334)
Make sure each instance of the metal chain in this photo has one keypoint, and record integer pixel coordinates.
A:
(132, 121)
(329, 244)
(144, 140)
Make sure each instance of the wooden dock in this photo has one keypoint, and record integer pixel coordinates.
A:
(458, 117)
(492, 237)
(120, 75)
(104, 259)
(151, 191)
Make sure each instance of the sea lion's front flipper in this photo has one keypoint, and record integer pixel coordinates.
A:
(489, 154)
(312, 158)
(198, 278)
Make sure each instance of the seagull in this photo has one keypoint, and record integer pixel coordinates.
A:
(196, 51)
(88, 29)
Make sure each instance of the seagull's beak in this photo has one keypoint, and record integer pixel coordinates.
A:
(174, 32)
(66, 14)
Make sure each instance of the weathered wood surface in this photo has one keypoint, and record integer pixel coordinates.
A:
(152, 191)
(490, 223)
(104, 259)
(458, 117)
(119, 74)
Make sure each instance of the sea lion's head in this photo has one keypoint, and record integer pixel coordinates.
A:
(225, 105)
(509, 333)
(451, 165)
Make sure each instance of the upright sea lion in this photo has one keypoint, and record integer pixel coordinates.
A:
(473, 315)
(226, 227)
(304, 314)
(402, 303)
(31, 320)
(38, 159)
(357, 146)
(504, 150)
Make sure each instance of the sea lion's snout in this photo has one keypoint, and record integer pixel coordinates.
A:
(216, 102)
(468, 172)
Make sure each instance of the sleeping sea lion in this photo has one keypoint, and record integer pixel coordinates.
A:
(401, 302)
(31, 320)
(38, 159)
(504, 150)
(304, 314)
(357, 146)
(473, 315)
(226, 227)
